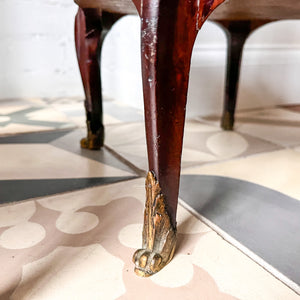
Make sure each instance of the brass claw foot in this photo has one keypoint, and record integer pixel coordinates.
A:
(159, 235)
(93, 141)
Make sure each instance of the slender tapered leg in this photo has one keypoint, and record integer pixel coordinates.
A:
(169, 29)
(91, 27)
(237, 32)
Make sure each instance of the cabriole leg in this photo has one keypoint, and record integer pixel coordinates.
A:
(236, 33)
(91, 27)
(169, 30)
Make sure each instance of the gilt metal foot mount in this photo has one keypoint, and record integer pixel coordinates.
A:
(93, 141)
(159, 235)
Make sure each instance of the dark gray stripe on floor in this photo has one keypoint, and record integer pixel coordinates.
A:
(69, 140)
(17, 190)
(35, 137)
(263, 220)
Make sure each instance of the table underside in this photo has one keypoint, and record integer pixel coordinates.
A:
(229, 10)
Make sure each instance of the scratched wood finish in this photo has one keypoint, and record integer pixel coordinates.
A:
(169, 29)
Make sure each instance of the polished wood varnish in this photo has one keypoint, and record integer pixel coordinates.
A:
(168, 31)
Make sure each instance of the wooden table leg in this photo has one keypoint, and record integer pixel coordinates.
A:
(169, 29)
(237, 33)
(91, 27)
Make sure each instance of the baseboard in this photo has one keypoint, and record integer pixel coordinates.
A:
(254, 54)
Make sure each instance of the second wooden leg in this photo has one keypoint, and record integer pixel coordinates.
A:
(237, 33)
(88, 41)
(91, 27)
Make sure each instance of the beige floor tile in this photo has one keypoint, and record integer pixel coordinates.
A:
(235, 273)
(278, 170)
(202, 144)
(29, 161)
(279, 134)
(13, 128)
(92, 259)
(48, 115)
(277, 115)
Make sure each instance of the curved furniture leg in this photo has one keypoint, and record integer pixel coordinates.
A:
(169, 29)
(91, 27)
(236, 32)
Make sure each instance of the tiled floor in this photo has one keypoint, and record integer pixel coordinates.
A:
(70, 219)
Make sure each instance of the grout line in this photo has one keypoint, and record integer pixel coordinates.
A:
(235, 243)
(138, 171)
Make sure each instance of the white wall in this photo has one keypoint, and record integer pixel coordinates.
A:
(37, 55)
(37, 59)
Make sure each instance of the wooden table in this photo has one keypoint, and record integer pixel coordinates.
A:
(168, 31)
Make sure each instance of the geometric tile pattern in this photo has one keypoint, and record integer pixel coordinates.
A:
(249, 213)
(203, 144)
(74, 236)
(40, 164)
(90, 257)
(17, 190)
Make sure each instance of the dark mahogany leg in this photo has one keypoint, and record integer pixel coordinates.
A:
(91, 27)
(169, 29)
(237, 32)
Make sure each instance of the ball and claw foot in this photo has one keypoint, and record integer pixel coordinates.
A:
(148, 263)
(159, 235)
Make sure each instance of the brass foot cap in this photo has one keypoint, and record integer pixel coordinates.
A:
(91, 143)
(227, 121)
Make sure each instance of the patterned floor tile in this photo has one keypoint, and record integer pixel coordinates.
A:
(249, 213)
(269, 116)
(29, 115)
(34, 115)
(114, 111)
(46, 163)
(202, 144)
(36, 161)
(90, 257)
(9, 106)
(279, 134)
(276, 170)
(277, 125)
(259, 189)
(78, 245)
